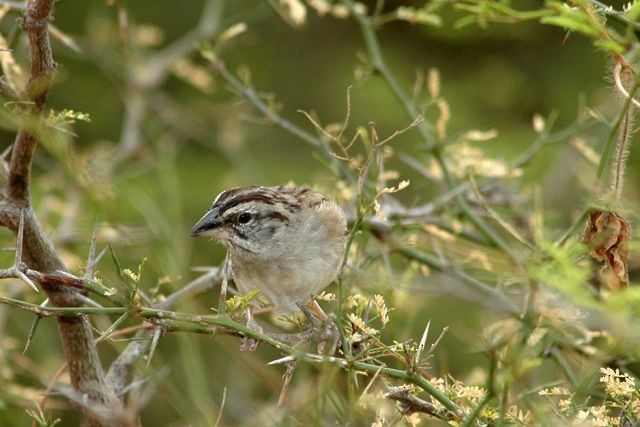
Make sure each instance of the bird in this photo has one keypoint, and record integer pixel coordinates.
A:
(286, 241)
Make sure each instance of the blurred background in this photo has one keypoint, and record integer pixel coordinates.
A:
(165, 137)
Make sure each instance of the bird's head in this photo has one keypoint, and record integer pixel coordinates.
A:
(247, 219)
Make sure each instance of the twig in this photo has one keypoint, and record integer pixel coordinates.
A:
(471, 418)
(250, 95)
(619, 161)
(490, 296)
(411, 403)
(286, 381)
(202, 283)
(379, 64)
(616, 15)
(224, 400)
(121, 368)
(156, 70)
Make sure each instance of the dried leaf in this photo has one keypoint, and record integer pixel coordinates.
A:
(607, 234)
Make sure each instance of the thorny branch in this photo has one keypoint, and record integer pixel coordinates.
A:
(121, 369)
(212, 325)
(16, 213)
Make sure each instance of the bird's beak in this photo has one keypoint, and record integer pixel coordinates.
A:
(207, 224)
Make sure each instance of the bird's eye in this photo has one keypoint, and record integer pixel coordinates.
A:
(244, 218)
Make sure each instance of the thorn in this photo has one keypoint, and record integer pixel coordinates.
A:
(113, 327)
(19, 240)
(91, 259)
(66, 274)
(26, 280)
(226, 271)
(423, 341)
(5, 154)
(437, 341)
(286, 359)
(366, 389)
(99, 257)
(34, 325)
(154, 342)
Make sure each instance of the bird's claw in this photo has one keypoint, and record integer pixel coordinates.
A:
(329, 335)
(323, 333)
(248, 343)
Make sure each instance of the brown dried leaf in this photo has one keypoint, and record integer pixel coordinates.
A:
(607, 235)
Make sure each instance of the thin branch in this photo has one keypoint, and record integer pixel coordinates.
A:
(411, 403)
(120, 371)
(378, 62)
(490, 296)
(250, 95)
(175, 321)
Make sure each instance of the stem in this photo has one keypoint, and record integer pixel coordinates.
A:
(607, 151)
(490, 394)
(377, 60)
(619, 160)
(250, 95)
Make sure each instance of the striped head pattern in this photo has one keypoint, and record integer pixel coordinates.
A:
(246, 218)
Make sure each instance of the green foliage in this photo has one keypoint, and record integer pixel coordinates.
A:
(238, 304)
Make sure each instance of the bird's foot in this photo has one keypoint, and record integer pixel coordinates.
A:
(324, 331)
(327, 337)
(248, 343)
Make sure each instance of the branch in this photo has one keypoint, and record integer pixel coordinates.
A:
(120, 371)
(87, 377)
(481, 292)
(34, 23)
(409, 402)
(211, 325)
(249, 93)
